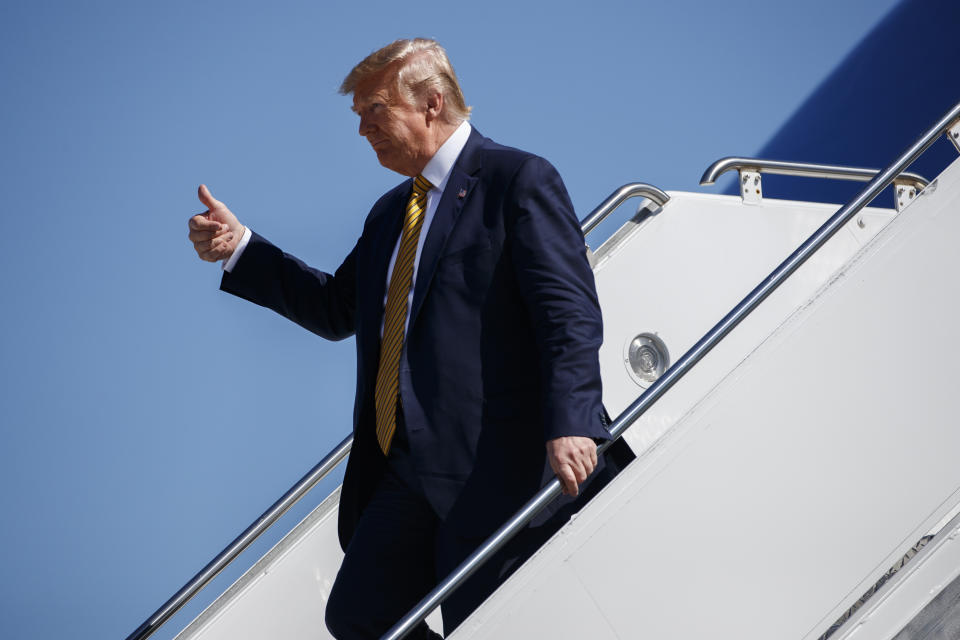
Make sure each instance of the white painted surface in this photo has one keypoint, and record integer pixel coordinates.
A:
(781, 497)
(285, 593)
(683, 269)
(717, 249)
(909, 591)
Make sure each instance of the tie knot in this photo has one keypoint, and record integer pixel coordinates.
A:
(421, 185)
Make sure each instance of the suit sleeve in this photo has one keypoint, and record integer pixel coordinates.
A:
(319, 302)
(557, 286)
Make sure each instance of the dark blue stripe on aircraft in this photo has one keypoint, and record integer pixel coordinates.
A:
(898, 81)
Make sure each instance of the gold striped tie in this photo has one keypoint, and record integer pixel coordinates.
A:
(395, 314)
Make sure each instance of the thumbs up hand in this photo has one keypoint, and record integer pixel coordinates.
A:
(216, 232)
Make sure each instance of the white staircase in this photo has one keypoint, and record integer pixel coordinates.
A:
(774, 484)
(789, 489)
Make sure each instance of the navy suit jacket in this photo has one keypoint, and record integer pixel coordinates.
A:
(501, 351)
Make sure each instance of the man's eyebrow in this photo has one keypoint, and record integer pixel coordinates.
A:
(360, 104)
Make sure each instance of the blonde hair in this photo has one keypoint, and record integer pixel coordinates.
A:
(423, 67)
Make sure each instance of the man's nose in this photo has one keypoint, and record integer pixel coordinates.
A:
(365, 126)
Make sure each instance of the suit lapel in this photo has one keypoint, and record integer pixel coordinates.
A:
(455, 195)
(373, 288)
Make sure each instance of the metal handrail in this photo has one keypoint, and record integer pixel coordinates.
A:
(548, 493)
(330, 462)
(617, 198)
(805, 169)
(244, 540)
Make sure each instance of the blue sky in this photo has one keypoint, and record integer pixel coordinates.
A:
(146, 417)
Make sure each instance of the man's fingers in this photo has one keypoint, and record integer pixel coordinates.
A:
(201, 222)
(580, 471)
(214, 233)
(207, 253)
(201, 236)
(214, 254)
(197, 235)
(568, 480)
(215, 248)
(588, 459)
(573, 459)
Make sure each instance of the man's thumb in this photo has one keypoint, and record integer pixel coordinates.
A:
(204, 194)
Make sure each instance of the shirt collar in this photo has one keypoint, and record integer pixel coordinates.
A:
(441, 164)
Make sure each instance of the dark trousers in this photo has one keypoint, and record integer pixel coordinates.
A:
(388, 566)
(401, 550)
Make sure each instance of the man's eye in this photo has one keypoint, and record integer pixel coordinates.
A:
(370, 109)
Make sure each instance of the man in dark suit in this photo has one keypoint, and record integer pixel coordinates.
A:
(477, 329)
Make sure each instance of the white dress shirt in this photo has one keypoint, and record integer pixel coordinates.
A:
(437, 172)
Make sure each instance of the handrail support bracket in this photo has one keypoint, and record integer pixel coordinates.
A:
(904, 195)
(953, 134)
(751, 185)
(907, 185)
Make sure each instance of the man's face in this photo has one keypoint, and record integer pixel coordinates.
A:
(395, 129)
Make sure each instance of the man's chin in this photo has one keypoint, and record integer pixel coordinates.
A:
(391, 163)
(384, 159)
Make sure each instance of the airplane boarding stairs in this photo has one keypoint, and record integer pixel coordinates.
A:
(776, 482)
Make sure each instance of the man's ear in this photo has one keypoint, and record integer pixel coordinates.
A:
(434, 106)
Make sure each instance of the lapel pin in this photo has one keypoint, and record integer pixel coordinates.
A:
(462, 194)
